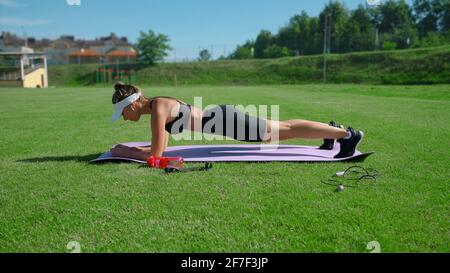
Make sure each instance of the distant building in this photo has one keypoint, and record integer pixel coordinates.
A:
(68, 50)
(16, 49)
(58, 51)
(11, 43)
(121, 56)
(23, 70)
(85, 56)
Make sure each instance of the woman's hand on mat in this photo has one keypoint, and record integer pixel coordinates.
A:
(122, 150)
(118, 150)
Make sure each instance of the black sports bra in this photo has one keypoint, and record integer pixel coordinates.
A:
(181, 120)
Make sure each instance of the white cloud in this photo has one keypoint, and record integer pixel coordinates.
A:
(12, 21)
(10, 3)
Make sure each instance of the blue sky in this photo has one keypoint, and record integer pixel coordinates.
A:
(218, 25)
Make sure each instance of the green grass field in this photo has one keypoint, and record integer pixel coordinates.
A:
(50, 195)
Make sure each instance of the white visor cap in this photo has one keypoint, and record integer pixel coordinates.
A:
(122, 104)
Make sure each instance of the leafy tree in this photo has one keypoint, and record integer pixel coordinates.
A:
(314, 43)
(359, 34)
(388, 45)
(405, 36)
(204, 55)
(289, 37)
(153, 47)
(446, 37)
(445, 16)
(301, 26)
(397, 24)
(244, 51)
(263, 41)
(339, 17)
(300, 35)
(427, 13)
(432, 39)
(395, 14)
(275, 51)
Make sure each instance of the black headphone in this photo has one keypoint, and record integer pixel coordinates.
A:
(353, 176)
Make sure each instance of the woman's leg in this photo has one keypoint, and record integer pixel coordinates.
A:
(298, 128)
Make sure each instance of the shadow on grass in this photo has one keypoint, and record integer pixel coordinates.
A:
(80, 158)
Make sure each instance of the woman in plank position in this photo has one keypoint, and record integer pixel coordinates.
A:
(171, 116)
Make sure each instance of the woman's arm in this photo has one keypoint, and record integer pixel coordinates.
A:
(140, 153)
(159, 135)
(166, 142)
(148, 148)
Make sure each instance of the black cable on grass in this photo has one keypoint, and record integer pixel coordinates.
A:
(206, 167)
(353, 177)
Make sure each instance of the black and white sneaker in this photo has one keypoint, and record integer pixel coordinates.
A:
(328, 144)
(348, 146)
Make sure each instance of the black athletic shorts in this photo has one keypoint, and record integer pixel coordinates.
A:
(227, 120)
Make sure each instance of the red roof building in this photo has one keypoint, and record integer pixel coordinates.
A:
(85, 56)
(121, 56)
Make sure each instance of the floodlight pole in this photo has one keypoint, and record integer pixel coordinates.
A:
(22, 70)
(46, 72)
(325, 51)
(329, 34)
(377, 39)
(326, 45)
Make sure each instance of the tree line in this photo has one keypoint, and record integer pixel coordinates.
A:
(392, 24)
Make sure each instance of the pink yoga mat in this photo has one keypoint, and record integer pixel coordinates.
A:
(244, 153)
